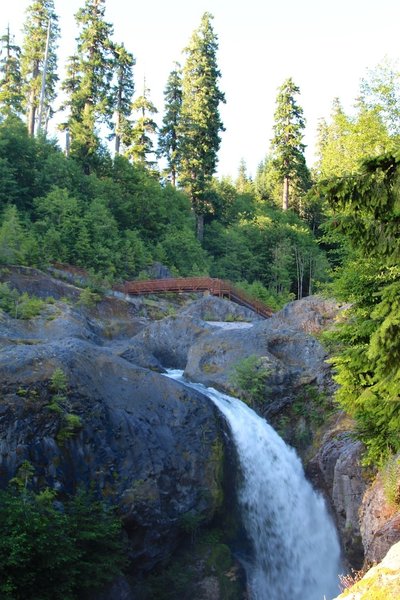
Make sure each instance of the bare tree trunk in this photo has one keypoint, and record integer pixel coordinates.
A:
(117, 144)
(310, 273)
(32, 101)
(300, 273)
(285, 195)
(200, 227)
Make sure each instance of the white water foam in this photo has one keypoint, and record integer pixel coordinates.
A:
(296, 553)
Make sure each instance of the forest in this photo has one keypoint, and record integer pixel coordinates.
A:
(120, 194)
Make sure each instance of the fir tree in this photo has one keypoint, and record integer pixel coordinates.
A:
(11, 96)
(144, 127)
(367, 363)
(89, 82)
(123, 92)
(287, 143)
(40, 15)
(168, 140)
(200, 123)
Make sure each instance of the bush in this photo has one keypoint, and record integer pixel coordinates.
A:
(250, 376)
(52, 554)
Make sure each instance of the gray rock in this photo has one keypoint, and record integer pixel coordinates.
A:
(211, 308)
(380, 523)
(292, 358)
(336, 470)
(146, 442)
(310, 315)
(170, 339)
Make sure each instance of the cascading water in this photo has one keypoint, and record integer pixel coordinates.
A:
(295, 546)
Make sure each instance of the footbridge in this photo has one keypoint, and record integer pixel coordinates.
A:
(215, 287)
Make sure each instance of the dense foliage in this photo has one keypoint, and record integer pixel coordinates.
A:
(54, 551)
(367, 211)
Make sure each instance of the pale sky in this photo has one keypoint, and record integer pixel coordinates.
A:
(326, 47)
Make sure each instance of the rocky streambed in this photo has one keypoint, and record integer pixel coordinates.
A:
(158, 451)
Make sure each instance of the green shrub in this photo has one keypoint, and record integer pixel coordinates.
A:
(19, 306)
(88, 298)
(52, 554)
(250, 376)
(391, 480)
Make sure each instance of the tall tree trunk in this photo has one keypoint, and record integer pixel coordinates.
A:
(33, 100)
(200, 227)
(285, 195)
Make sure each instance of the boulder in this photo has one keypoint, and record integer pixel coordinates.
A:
(211, 308)
(310, 315)
(170, 339)
(142, 441)
(291, 357)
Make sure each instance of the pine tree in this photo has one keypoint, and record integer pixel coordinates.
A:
(168, 140)
(89, 82)
(144, 127)
(11, 96)
(243, 183)
(200, 123)
(287, 143)
(123, 91)
(39, 16)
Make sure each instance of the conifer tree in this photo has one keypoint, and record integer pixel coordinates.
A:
(168, 140)
(123, 92)
(287, 143)
(39, 15)
(200, 123)
(10, 72)
(89, 82)
(144, 127)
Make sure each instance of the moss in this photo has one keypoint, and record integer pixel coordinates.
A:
(381, 585)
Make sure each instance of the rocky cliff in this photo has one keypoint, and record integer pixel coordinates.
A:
(151, 446)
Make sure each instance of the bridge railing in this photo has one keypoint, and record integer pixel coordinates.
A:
(216, 287)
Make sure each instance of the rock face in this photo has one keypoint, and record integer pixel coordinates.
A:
(210, 308)
(336, 470)
(291, 357)
(380, 523)
(144, 442)
(380, 582)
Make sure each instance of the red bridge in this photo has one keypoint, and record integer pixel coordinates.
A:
(216, 287)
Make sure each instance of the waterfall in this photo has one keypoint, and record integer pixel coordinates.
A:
(296, 554)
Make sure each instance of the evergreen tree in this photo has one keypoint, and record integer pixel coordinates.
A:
(287, 143)
(367, 346)
(11, 96)
(89, 82)
(40, 15)
(168, 140)
(144, 127)
(123, 91)
(344, 142)
(243, 183)
(200, 123)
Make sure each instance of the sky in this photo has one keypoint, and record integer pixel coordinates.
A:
(325, 46)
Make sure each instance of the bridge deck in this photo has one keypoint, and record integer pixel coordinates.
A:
(216, 287)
